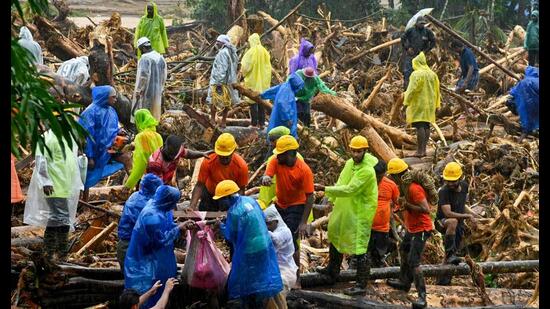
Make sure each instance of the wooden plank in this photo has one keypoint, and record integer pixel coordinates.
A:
(98, 238)
(24, 163)
(94, 229)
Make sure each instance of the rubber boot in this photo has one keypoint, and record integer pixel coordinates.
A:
(450, 250)
(362, 276)
(420, 285)
(50, 241)
(334, 263)
(62, 244)
(405, 275)
(420, 142)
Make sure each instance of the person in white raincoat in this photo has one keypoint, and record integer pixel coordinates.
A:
(26, 41)
(76, 70)
(150, 79)
(224, 73)
(53, 193)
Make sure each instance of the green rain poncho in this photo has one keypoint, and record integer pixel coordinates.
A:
(355, 199)
(312, 86)
(154, 30)
(532, 34)
(146, 142)
(422, 97)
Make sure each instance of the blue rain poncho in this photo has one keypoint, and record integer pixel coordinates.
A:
(75, 70)
(526, 100)
(284, 111)
(150, 256)
(26, 41)
(135, 203)
(101, 121)
(254, 268)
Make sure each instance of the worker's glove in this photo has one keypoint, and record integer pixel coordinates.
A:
(265, 181)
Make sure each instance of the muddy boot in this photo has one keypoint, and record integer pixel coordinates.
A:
(450, 250)
(334, 263)
(50, 241)
(420, 142)
(62, 245)
(420, 285)
(362, 276)
(405, 274)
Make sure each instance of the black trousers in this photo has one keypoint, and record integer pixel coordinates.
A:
(257, 114)
(378, 246)
(292, 216)
(304, 112)
(207, 203)
(533, 56)
(411, 250)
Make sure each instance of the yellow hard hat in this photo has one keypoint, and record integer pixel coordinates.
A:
(452, 171)
(285, 143)
(396, 166)
(225, 145)
(358, 142)
(225, 188)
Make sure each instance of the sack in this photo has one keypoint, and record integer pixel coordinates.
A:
(423, 179)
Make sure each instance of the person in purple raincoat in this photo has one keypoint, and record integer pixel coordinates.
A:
(304, 58)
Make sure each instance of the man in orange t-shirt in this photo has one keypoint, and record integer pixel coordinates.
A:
(223, 164)
(294, 188)
(419, 228)
(388, 192)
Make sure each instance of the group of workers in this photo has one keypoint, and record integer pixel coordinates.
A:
(264, 232)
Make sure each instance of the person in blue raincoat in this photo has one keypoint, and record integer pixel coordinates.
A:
(101, 121)
(525, 101)
(150, 255)
(132, 208)
(255, 277)
(284, 111)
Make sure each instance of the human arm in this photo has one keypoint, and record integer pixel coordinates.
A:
(143, 73)
(145, 296)
(163, 301)
(193, 154)
(137, 34)
(196, 195)
(270, 93)
(446, 209)
(421, 206)
(270, 171)
(469, 74)
(322, 87)
(220, 66)
(139, 162)
(43, 178)
(307, 209)
(431, 41)
(357, 182)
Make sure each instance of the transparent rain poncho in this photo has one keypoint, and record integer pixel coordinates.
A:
(75, 70)
(26, 41)
(63, 174)
(254, 267)
(224, 69)
(422, 97)
(526, 100)
(150, 256)
(150, 78)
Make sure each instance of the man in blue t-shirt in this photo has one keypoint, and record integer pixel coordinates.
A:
(469, 75)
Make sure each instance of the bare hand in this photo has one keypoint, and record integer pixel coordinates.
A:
(266, 181)
(319, 187)
(302, 230)
(410, 50)
(91, 164)
(48, 190)
(170, 283)
(155, 287)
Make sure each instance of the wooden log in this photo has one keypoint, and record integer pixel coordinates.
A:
(92, 272)
(34, 243)
(377, 144)
(196, 171)
(26, 231)
(274, 23)
(502, 60)
(97, 239)
(56, 43)
(396, 108)
(315, 279)
(372, 50)
(98, 208)
(365, 104)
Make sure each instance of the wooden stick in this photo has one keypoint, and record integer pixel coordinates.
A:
(501, 61)
(372, 50)
(274, 22)
(107, 211)
(256, 173)
(375, 90)
(98, 238)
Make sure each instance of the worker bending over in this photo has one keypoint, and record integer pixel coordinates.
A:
(312, 85)
(469, 71)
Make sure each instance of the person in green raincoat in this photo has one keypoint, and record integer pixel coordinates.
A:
(422, 99)
(145, 143)
(312, 85)
(531, 43)
(151, 25)
(355, 199)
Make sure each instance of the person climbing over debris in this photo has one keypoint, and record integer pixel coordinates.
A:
(524, 102)
(469, 71)
(313, 84)
(130, 213)
(76, 70)
(283, 96)
(415, 40)
(451, 213)
(531, 43)
(417, 192)
(422, 99)
(224, 74)
(130, 298)
(151, 26)
(150, 78)
(256, 69)
(150, 256)
(349, 227)
(223, 164)
(27, 42)
(305, 58)
(164, 161)
(254, 275)
(145, 143)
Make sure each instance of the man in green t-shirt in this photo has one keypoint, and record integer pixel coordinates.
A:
(312, 85)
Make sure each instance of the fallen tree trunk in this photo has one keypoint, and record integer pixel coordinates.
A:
(501, 61)
(56, 42)
(34, 243)
(377, 144)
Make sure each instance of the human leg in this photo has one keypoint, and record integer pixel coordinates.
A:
(254, 114)
(334, 263)
(121, 248)
(56, 236)
(405, 276)
(418, 243)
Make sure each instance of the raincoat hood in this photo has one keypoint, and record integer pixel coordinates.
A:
(166, 198)
(149, 185)
(296, 82)
(532, 72)
(279, 131)
(271, 214)
(535, 13)
(254, 40)
(369, 160)
(305, 46)
(144, 119)
(419, 62)
(155, 9)
(100, 95)
(25, 33)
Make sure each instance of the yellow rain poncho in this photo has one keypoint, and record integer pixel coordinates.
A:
(422, 96)
(256, 65)
(154, 30)
(355, 199)
(146, 142)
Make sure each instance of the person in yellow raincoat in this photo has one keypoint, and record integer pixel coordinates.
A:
(146, 142)
(151, 25)
(256, 69)
(422, 98)
(355, 199)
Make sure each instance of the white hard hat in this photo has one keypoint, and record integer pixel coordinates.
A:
(143, 41)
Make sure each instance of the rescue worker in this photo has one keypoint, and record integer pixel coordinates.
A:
(256, 69)
(531, 43)
(312, 85)
(524, 102)
(145, 143)
(305, 58)
(469, 71)
(76, 70)
(27, 42)
(415, 40)
(150, 256)
(223, 164)
(224, 74)
(294, 188)
(419, 227)
(151, 26)
(254, 275)
(422, 99)
(150, 78)
(349, 227)
(131, 211)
